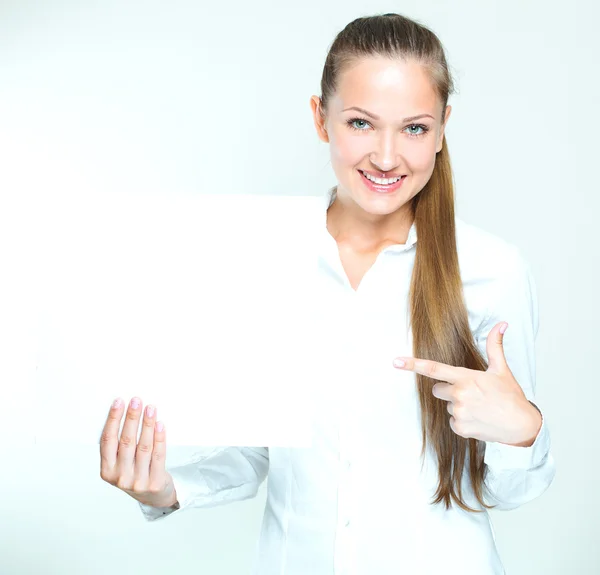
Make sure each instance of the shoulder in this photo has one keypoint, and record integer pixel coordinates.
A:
(496, 277)
(484, 254)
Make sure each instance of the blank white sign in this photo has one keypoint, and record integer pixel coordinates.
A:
(200, 306)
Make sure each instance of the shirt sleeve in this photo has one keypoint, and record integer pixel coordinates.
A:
(516, 475)
(224, 475)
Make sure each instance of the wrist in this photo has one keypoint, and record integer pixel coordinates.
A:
(533, 426)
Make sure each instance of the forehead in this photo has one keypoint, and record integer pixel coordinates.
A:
(387, 87)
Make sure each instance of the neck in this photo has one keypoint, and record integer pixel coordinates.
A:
(363, 232)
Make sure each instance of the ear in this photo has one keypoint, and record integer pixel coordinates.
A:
(315, 104)
(443, 129)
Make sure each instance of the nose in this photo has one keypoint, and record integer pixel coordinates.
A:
(386, 156)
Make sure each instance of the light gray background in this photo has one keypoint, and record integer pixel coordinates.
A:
(188, 97)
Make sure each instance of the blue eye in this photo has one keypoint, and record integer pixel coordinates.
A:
(419, 126)
(424, 129)
(351, 122)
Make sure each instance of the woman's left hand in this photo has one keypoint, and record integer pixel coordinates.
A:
(486, 405)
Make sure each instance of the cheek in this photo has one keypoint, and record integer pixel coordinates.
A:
(348, 150)
(421, 158)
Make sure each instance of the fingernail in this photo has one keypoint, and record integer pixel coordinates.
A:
(503, 328)
(399, 363)
(117, 402)
(150, 411)
(159, 426)
(135, 403)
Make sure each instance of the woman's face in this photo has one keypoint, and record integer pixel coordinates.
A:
(386, 143)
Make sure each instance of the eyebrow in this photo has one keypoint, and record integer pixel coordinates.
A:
(375, 117)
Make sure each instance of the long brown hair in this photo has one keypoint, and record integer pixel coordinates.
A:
(438, 313)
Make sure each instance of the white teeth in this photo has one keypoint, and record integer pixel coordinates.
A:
(380, 181)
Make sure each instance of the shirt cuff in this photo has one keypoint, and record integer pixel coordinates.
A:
(187, 482)
(152, 513)
(500, 456)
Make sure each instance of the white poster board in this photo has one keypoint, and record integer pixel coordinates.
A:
(199, 306)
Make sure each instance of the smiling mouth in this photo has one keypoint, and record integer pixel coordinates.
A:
(395, 178)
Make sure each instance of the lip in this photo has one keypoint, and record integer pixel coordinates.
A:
(379, 188)
(379, 174)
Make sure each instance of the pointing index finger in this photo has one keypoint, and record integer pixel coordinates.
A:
(432, 369)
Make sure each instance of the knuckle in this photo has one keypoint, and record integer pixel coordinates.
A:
(125, 441)
(139, 488)
(124, 484)
(465, 430)
(114, 416)
(157, 456)
(467, 374)
(108, 477)
(144, 448)
(106, 437)
(132, 416)
(154, 489)
(148, 423)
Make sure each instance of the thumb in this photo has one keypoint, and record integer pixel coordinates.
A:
(495, 347)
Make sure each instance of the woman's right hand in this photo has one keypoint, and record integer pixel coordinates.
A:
(137, 469)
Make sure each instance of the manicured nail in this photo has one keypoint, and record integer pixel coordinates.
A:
(150, 410)
(399, 363)
(135, 403)
(159, 426)
(117, 402)
(503, 328)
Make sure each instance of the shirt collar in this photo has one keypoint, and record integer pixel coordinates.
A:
(329, 198)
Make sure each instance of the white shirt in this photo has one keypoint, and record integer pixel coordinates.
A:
(357, 502)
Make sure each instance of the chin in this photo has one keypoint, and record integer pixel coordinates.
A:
(381, 204)
(381, 207)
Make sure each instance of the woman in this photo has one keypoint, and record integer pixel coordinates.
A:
(407, 459)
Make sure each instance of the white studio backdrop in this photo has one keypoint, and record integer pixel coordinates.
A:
(145, 113)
